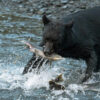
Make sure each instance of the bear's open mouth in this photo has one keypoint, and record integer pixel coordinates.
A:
(49, 53)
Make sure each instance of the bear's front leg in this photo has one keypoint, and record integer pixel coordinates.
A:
(91, 64)
(29, 64)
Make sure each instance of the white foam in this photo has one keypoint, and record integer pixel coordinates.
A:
(62, 98)
(39, 80)
(11, 78)
(76, 88)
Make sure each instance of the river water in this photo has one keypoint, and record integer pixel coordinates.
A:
(17, 27)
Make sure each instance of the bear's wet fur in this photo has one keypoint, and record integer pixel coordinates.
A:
(76, 36)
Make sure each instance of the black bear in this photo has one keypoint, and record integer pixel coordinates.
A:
(77, 36)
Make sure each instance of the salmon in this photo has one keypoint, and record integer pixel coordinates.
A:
(38, 52)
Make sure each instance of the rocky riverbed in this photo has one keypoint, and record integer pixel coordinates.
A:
(54, 8)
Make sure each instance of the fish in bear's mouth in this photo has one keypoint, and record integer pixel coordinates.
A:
(52, 57)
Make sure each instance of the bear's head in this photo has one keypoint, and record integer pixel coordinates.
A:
(55, 35)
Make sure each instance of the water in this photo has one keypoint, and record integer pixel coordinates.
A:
(16, 27)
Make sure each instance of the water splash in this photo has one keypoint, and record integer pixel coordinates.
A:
(11, 78)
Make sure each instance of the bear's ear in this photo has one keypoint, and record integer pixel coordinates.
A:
(69, 25)
(45, 20)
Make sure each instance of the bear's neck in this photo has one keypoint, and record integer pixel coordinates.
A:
(70, 40)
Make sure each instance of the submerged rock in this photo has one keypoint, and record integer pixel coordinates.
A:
(56, 86)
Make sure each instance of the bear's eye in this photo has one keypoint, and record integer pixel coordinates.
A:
(48, 40)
